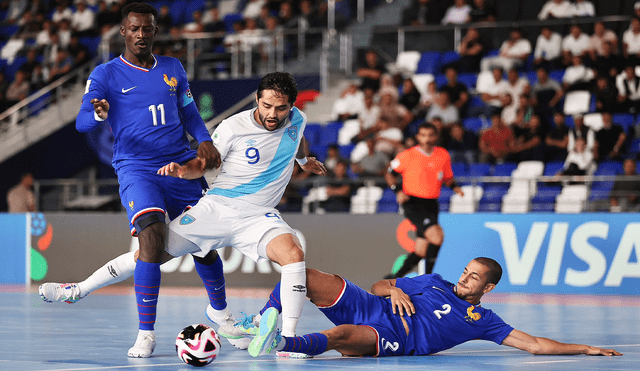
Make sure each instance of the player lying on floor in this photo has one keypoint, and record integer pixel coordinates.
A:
(404, 316)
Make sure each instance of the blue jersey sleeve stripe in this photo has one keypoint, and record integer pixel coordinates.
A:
(286, 150)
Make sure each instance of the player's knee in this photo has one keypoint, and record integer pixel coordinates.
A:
(152, 242)
(434, 235)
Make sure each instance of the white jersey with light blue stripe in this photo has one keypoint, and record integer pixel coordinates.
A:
(256, 164)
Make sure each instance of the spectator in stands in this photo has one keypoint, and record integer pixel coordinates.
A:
(606, 95)
(18, 89)
(517, 86)
(602, 35)
(608, 64)
(20, 198)
(583, 8)
(349, 104)
(444, 109)
(83, 20)
(392, 112)
(31, 63)
(482, 12)
(579, 161)
(462, 144)
(368, 116)
(42, 38)
(609, 144)
(410, 95)
(12, 48)
(373, 164)
(62, 65)
(457, 91)
(513, 52)
(628, 85)
(77, 51)
(428, 98)
(109, 17)
(631, 42)
(576, 43)
(64, 32)
(15, 10)
(548, 51)
(524, 113)
(212, 21)
(29, 26)
(333, 157)
(388, 138)
(196, 25)
(493, 90)
(338, 190)
(581, 131)
(496, 142)
(371, 71)
(625, 194)
(39, 77)
(286, 17)
(253, 8)
(458, 13)
(557, 139)
(63, 11)
(577, 76)
(546, 93)
(556, 9)
(4, 85)
(471, 50)
(422, 12)
(529, 143)
(165, 21)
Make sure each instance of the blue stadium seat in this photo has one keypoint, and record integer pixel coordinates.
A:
(476, 101)
(230, 19)
(429, 63)
(345, 151)
(319, 151)
(556, 75)
(504, 169)
(625, 120)
(609, 168)
(91, 43)
(600, 191)
(445, 196)
(11, 69)
(329, 134)
(387, 207)
(441, 80)
(545, 198)
(492, 197)
(473, 124)
(459, 169)
(469, 79)
(39, 104)
(190, 7)
(312, 133)
(449, 57)
(479, 169)
(551, 168)
(492, 206)
(634, 146)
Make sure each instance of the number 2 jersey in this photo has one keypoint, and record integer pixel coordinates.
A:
(256, 164)
(442, 320)
(150, 112)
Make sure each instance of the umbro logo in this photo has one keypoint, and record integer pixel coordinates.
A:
(299, 288)
(126, 90)
(112, 271)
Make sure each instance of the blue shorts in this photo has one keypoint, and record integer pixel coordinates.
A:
(355, 306)
(144, 191)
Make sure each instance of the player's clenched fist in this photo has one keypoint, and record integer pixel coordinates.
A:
(101, 107)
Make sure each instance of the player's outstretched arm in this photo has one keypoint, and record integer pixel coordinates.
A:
(210, 154)
(193, 169)
(539, 345)
(314, 166)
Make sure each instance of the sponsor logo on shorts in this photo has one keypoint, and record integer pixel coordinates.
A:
(187, 219)
(299, 288)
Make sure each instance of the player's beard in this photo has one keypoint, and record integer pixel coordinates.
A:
(263, 122)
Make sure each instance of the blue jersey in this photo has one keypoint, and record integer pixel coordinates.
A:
(442, 320)
(150, 112)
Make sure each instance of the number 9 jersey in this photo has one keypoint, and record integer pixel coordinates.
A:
(150, 111)
(256, 164)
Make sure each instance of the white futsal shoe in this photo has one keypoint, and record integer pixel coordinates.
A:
(67, 292)
(144, 346)
(227, 322)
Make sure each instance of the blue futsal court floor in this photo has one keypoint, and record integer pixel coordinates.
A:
(96, 332)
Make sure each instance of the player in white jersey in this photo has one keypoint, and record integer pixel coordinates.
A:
(258, 148)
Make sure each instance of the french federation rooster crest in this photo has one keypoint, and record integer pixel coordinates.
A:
(472, 316)
(173, 83)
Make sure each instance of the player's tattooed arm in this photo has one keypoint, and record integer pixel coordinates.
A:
(400, 301)
(193, 169)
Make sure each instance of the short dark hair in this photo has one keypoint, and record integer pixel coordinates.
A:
(495, 270)
(280, 82)
(142, 8)
(428, 125)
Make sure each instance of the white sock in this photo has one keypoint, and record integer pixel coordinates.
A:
(116, 270)
(293, 291)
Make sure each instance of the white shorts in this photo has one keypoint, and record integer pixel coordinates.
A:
(218, 221)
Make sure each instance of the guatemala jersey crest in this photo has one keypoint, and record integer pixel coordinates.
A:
(293, 133)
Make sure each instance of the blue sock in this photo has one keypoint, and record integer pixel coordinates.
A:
(274, 300)
(214, 283)
(311, 344)
(146, 281)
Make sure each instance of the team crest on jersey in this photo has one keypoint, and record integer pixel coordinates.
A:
(173, 83)
(472, 316)
(131, 205)
(293, 133)
(187, 219)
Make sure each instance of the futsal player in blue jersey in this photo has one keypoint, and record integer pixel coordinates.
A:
(146, 101)
(405, 316)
